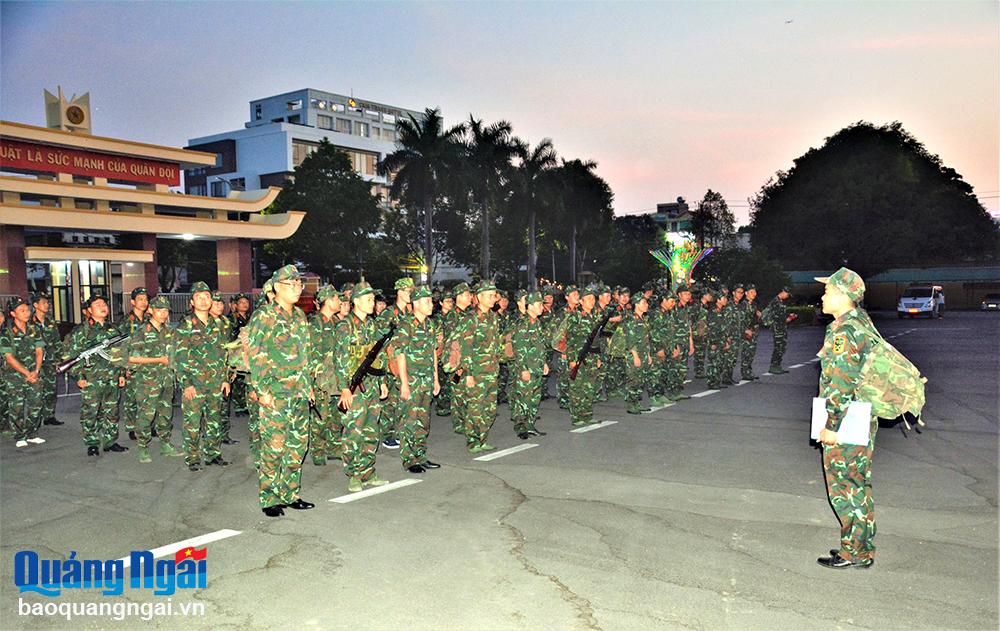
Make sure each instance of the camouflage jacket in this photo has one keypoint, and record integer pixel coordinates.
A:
(418, 342)
(637, 336)
(718, 328)
(200, 358)
(528, 346)
(663, 330)
(239, 321)
(475, 343)
(392, 315)
(20, 344)
(752, 317)
(130, 324)
(579, 324)
(353, 338)
(775, 316)
(845, 348)
(281, 352)
(50, 334)
(87, 335)
(323, 338)
(699, 321)
(737, 314)
(148, 342)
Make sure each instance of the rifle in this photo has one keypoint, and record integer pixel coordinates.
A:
(586, 350)
(365, 368)
(100, 350)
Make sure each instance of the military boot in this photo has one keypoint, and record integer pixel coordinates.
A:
(166, 449)
(375, 481)
(144, 454)
(355, 485)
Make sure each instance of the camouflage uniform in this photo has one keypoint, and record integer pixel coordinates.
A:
(718, 339)
(442, 405)
(99, 399)
(201, 363)
(776, 317)
(583, 389)
(24, 408)
(847, 468)
(326, 422)
(699, 335)
(154, 383)
(391, 411)
(128, 326)
(734, 315)
(560, 320)
(451, 323)
(751, 322)
(663, 332)
(680, 344)
(280, 346)
(639, 379)
(239, 392)
(527, 351)
(477, 343)
(226, 329)
(504, 377)
(419, 342)
(53, 346)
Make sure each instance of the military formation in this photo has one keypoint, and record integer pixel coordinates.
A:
(361, 373)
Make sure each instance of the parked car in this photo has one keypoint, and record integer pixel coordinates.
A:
(923, 300)
(991, 302)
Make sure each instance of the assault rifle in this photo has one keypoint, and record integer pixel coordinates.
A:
(588, 347)
(100, 350)
(365, 368)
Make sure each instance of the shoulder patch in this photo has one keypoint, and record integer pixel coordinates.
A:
(839, 344)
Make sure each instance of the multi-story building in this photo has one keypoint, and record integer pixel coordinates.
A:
(284, 129)
(674, 217)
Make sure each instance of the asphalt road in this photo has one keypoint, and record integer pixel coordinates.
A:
(708, 514)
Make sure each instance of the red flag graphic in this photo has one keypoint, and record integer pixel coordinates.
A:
(190, 553)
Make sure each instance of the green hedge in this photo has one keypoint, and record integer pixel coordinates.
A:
(807, 315)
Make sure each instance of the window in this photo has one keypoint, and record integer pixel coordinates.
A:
(301, 150)
(318, 103)
(336, 107)
(258, 112)
(294, 105)
(198, 189)
(389, 118)
(218, 188)
(238, 184)
(355, 110)
(361, 129)
(372, 114)
(388, 134)
(343, 125)
(296, 119)
(324, 122)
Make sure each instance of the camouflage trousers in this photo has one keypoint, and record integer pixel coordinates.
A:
(503, 383)
(714, 365)
(729, 362)
(224, 414)
(201, 427)
(24, 406)
(658, 377)
(637, 382)
(388, 422)
(582, 392)
(415, 420)
(239, 394)
(847, 469)
(99, 413)
(326, 426)
(780, 343)
(48, 397)
(253, 426)
(525, 397)
(747, 354)
(4, 401)
(700, 350)
(157, 409)
(130, 403)
(562, 381)
(361, 434)
(458, 403)
(616, 376)
(675, 369)
(284, 438)
(478, 407)
(443, 403)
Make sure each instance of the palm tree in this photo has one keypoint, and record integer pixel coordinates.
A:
(427, 154)
(489, 152)
(573, 180)
(531, 192)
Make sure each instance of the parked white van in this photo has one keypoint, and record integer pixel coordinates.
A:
(917, 301)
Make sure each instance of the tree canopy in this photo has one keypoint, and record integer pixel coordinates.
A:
(871, 198)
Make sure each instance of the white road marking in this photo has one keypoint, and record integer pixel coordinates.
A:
(687, 381)
(703, 394)
(193, 542)
(814, 359)
(796, 365)
(661, 407)
(590, 428)
(505, 452)
(767, 374)
(742, 381)
(343, 499)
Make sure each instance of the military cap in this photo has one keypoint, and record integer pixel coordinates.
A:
(750, 286)
(683, 287)
(846, 281)
(361, 289)
(16, 302)
(199, 287)
(572, 289)
(159, 302)
(532, 297)
(737, 286)
(238, 296)
(403, 283)
(501, 294)
(139, 290)
(460, 288)
(39, 295)
(590, 290)
(485, 285)
(90, 301)
(550, 290)
(379, 296)
(217, 296)
(520, 293)
(603, 289)
(325, 293)
(422, 291)
(288, 272)
(786, 289)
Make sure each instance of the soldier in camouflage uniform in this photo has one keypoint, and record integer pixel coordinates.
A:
(560, 321)
(847, 468)
(401, 309)
(718, 339)
(325, 422)
(699, 332)
(53, 345)
(462, 310)
(5, 429)
(549, 293)
(504, 316)
(282, 374)
(640, 374)
(218, 311)
(22, 349)
(138, 316)
(663, 332)
(442, 406)
(751, 327)
(415, 350)
(734, 312)
(240, 315)
(150, 358)
(99, 382)
(253, 406)
(354, 338)
(680, 346)
(202, 376)
(579, 325)
(473, 352)
(526, 348)
(776, 316)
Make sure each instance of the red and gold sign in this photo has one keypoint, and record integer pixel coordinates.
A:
(15, 154)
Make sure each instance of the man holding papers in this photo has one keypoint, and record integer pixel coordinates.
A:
(847, 467)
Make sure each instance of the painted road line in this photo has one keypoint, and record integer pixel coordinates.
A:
(703, 394)
(590, 428)
(742, 381)
(193, 542)
(687, 381)
(505, 452)
(767, 374)
(796, 365)
(656, 409)
(344, 499)
(814, 359)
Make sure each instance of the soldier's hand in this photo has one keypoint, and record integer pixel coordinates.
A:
(637, 362)
(545, 369)
(404, 391)
(346, 398)
(525, 376)
(312, 397)
(226, 388)
(470, 382)
(383, 391)
(827, 437)
(437, 387)
(266, 399)
(189, 393)
(572, 365)
(661, 354)
(81, 384)
(676, 353)
(598, 363)
(165, 360)
(121, 382)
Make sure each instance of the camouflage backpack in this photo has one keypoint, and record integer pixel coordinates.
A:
(890, 382)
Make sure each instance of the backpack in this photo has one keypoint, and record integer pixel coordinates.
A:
(890, 382)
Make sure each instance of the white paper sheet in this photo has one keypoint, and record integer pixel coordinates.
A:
(854, 430)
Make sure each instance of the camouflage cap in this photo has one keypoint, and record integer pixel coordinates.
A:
(139, 291)
(90, 301)
(738, 286)
(403, 283)
(485, 285)
(159, 302)
(288, 272)
(217, 296)
(750, 286)
(422, 291)
(590, 290)
(571, 289)
(520, 293)
(683, 287)
(199, 287)
(39, 295)
(603, 289)
(361, 289)
(325, 293)
(501, 294)
(532, 297)
(238, 296)
(550, 290)
(460, 288)
(624, 291)
(16, 302)
(846, 281)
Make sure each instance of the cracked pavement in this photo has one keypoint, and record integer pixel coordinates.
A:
(707, 514)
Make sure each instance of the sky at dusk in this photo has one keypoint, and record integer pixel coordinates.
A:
(669, 98)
